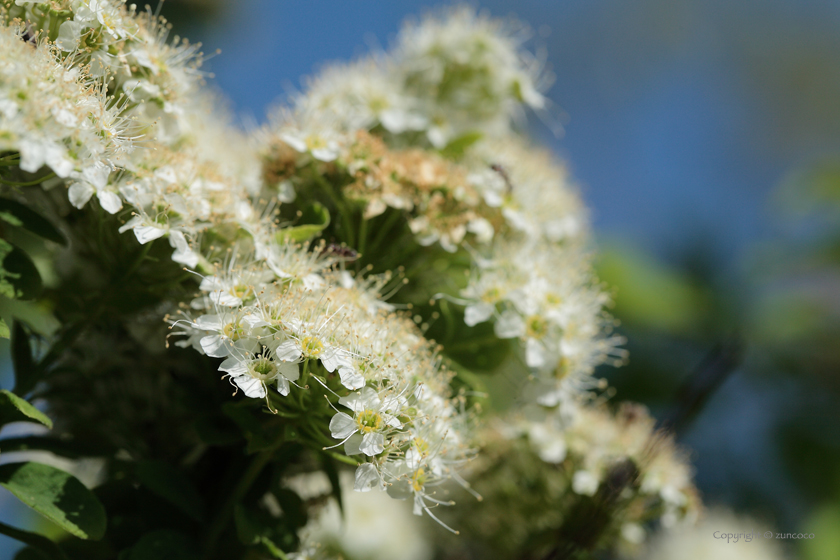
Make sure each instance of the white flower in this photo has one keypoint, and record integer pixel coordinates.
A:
(183, 253)
(372, 417)
(253, 374)
(312, 344)
(144, 229)
(229, 331)
(94, 179)
(585, 483)
(322, 145)
(34, 153)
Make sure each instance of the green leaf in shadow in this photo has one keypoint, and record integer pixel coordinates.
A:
(56, 495)
(15, 409)
(19, 215)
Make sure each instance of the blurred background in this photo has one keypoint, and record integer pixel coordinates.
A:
(705, 138)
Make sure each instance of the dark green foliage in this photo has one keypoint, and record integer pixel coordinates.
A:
(40, 547)
(58, 496)
(26, 218)
(26, 374)
(162, 545)
(312, 221)
(171, 484)
(15, 409)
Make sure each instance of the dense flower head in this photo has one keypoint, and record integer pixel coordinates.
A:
(455, 72)
(604, 477)
(111, 39)
(594, 440)
(487, 191)
(55, 114)
(290, 246)
(270, 308)
(271, 330)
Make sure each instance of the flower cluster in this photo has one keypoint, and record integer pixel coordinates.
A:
(460, 80)
(451, 74)
(55, 114)
(602, 478)
(268, 306)
(595, 440)
(297, 238)
(133, 50)
(278, 331)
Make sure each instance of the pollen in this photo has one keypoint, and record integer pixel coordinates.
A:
(233, 331)
(242, 291)
(369, 421)
(311, 347)
(421, 445)
(418, 480)
(492, 295)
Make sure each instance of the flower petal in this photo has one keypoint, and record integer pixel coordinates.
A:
(366, 478)
(351, 446)
(288, 351)
(372, 444)
(342, 426)
(214, 346)
(350, 378)
(282, 385)
(478, 313)
(289, 370)
(253, 388)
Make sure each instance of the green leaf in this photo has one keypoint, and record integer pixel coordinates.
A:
(173, 485)
(42, 548)
(163, 544)
(56, 495)
(7, 290)
(19, 271)
(29, 220)
(650, 294)
(4, 329)
(456, 147)
(15, 409)
(24, 365)
(314, 219)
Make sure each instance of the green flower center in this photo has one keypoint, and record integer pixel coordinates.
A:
(421, 446)
(311, 347)
(562, 369)
(491, 296)
(536, 326)
(369, 421)
(418, 480)
(263, 369)
(315, 142)
(242, 291)
(233, 331)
